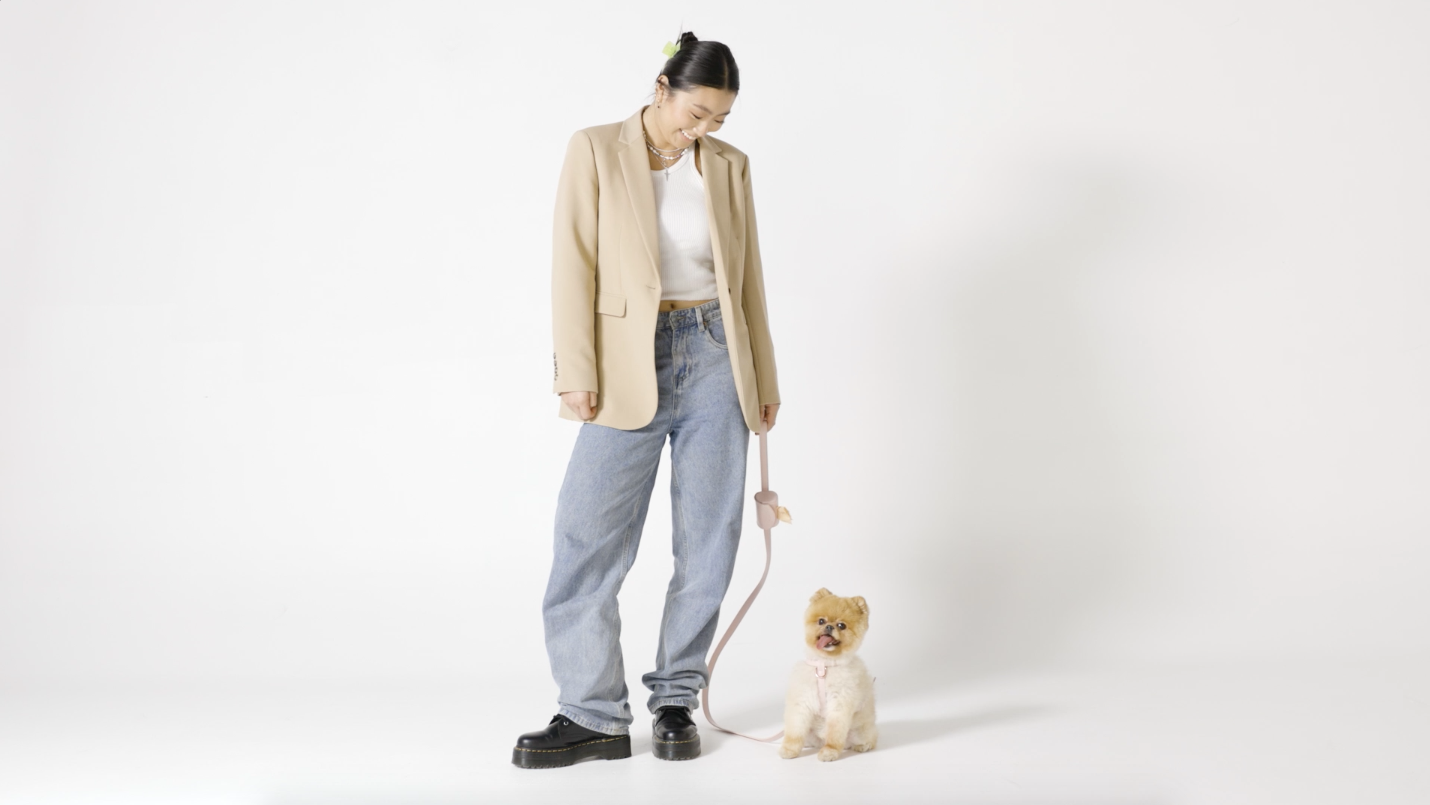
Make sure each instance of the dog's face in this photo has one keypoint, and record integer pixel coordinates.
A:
(833, 625)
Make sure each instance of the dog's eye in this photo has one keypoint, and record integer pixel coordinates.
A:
(841, 626)
(821, 621)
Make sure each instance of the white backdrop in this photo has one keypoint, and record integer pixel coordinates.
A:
(1101, 330)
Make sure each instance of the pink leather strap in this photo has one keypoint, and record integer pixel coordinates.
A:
(766, 511)
(819, 672)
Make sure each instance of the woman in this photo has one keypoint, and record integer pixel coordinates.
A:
(660, 329)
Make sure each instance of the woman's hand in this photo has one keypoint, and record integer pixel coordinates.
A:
(768, 415)
(582, 403)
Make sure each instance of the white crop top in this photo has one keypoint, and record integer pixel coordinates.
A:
(687, 264)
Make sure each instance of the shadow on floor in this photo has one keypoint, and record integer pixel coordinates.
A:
(757, 720)
(906, 732)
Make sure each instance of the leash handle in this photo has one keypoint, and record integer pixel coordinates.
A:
(766, 504)
(764, 457)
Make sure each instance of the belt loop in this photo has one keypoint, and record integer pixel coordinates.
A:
(699, 320)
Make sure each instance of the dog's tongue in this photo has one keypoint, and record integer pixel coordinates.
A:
(824, 640)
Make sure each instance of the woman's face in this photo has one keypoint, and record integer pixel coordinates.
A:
(684, 116)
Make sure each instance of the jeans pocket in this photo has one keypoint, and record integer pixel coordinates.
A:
(715, 332)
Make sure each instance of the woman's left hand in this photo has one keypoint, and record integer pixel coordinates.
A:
(768, 415)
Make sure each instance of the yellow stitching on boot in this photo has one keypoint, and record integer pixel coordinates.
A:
(575, 746)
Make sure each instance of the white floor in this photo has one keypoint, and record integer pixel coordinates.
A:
(1300, 733)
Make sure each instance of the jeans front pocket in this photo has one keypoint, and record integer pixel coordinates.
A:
(715, 332)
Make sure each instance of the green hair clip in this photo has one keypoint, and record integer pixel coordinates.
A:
(670, 49)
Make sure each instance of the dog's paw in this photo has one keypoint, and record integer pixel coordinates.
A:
(828, 753)
(863, 747)
(788, 751)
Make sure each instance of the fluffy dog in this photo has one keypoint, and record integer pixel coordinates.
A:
(841, 715)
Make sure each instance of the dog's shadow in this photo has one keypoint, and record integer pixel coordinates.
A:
(892, 734)
(905, 732)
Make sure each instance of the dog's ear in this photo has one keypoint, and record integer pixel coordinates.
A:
(862, 604)
(820, 593)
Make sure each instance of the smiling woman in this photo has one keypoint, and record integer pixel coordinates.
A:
(668, 133)
(658, 305)
(694, 96)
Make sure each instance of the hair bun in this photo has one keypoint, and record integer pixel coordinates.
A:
(696, 62)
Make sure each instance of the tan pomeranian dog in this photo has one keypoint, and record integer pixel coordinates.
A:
(830, 702)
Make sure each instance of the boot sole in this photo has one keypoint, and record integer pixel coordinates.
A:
(676, 750)
(614, 748)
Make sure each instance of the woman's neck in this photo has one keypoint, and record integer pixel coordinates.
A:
(653, 132)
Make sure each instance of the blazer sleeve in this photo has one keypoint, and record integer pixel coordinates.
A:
(753, 301)
(573, 270)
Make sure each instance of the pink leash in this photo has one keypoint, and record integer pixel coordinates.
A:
(767, 514)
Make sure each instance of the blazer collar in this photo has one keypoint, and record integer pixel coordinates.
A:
(715, 175)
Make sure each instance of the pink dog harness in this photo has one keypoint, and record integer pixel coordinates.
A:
(819, 671)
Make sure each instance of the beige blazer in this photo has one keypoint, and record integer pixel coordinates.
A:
(605, 275)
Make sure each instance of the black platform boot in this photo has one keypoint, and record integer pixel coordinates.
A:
(564, 742)
(674, 735)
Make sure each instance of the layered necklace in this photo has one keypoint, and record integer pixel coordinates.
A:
(661, 153)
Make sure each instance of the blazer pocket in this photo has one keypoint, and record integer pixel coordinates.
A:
(610, 304)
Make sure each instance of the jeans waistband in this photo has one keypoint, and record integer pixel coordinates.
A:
(688, 316)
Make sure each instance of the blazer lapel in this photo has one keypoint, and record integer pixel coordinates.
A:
(715, 175)
(715, 171)
(636, 169)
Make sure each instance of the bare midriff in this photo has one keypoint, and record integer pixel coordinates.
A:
(678, 304)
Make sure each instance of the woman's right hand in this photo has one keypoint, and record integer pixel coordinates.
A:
(583, 403)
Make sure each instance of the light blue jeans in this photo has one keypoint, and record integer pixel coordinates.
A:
(600, 513)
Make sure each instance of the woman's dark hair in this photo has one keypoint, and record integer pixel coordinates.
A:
(701, 64)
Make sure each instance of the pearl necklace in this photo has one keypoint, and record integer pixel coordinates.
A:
(665, 160)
